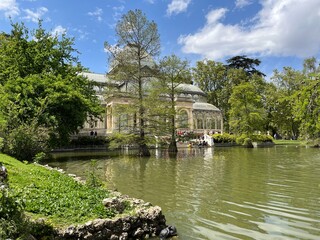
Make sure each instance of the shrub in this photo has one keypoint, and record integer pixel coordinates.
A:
(12, 221)
(240, 139)
(39, 157)
(254, 138)
(224, 138)
(25, 141)
(261, 138)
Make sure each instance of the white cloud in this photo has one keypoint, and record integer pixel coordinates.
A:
(59, 30)
(9, 7)
(117, 12)
(177, 6)
(34, 16)
(81, 34)
(243, 3)
(97, 13)
(281, 28)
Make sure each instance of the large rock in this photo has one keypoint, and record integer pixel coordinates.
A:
(144, 222)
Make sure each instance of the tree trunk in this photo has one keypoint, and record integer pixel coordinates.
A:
(144, 150)
(173, 146)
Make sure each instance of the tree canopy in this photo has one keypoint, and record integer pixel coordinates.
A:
(41, 86)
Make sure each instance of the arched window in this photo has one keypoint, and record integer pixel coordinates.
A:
(199, 123)
(209, 123)
(182, 119)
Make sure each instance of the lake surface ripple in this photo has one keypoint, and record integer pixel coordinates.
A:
(220, 193)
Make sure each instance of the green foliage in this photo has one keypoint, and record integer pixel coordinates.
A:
(240, 139)
(1, 144)
(39, 229)
(247, 142)
(212, 78)
(92, 178)
(307, 108)
(39, 157)
(12, 219)
(245, 63)
(118, 139)
(260, 138)
(40, 85)
(26, 141)
(246, 112)
(61, 197)
(224, 138)
(172, 73)
(54, 196)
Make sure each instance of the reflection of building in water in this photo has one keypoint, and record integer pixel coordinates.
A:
(208, 154)
(193, 112)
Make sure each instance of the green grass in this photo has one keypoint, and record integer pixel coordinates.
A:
(288, 142)
(54, 196)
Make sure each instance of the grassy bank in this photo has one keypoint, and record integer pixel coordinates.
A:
(54, 196)
(289, 142)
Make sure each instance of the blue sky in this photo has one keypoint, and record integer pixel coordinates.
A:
(278, 32)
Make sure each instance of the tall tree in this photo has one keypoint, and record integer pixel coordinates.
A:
(41, 86)
(288, 83)
(309, 65)
(307, 108)
(138, 42)
(247, 64)
(246, 112)
(210, 76)
(173, 72)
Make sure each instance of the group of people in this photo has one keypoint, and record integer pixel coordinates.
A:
(93, 133)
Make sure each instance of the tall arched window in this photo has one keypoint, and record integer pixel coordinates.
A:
(182, 119)
(209, 123)
(199, 123)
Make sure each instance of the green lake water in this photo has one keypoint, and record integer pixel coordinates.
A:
(219, 193)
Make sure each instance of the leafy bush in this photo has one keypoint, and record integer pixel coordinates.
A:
(224, 138)
(39, 157)
(240, 139)
(12, 221)
(25, 141)
(254, 138)
(261, 138)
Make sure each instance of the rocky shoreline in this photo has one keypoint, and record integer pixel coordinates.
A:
(146, 221)
(143, 222)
